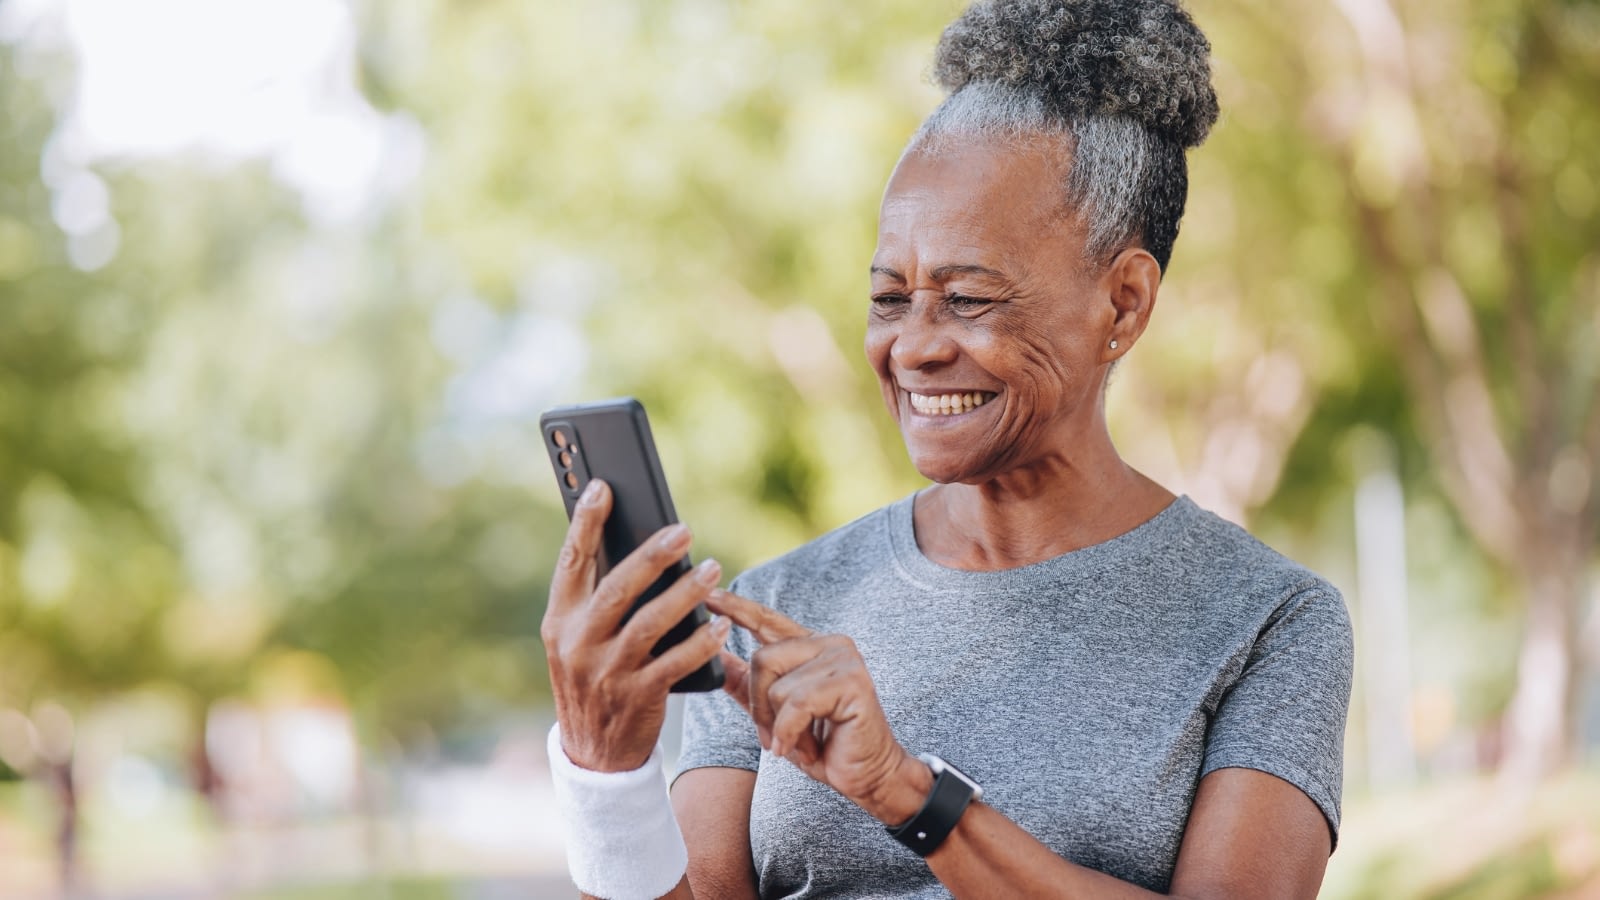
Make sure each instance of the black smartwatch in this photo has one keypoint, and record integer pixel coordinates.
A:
(952, 791)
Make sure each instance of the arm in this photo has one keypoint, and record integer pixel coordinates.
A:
(713, 809)
(1250, 834)
(611, 694)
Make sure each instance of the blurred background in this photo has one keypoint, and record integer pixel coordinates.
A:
(284, 285)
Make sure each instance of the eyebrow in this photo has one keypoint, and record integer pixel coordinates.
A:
(943, 273)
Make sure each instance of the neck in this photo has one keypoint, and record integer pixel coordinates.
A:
(1038, 511)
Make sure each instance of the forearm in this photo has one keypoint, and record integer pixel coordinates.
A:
(681, 892)
(716, 879)
(1251, 836)
(988, 855)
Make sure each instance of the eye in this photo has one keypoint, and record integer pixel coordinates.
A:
(884, 301)
(963, 303)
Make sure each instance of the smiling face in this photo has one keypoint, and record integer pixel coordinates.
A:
(988, 331)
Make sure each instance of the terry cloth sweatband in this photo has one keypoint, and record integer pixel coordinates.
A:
(623, 841)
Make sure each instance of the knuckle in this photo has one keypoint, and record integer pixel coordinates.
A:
(660, 678)
(608, 591)
(706, 637)
(767, 618)
(676, 600)
(761, 660)
(649, 680)
(606, 671)
(571, 557)
(646, 618)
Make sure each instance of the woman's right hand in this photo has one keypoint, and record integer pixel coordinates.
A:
(610, 693)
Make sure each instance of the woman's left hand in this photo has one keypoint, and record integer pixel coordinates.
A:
(813, 703)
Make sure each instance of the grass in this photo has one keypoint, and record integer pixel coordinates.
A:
(1471, 839)
(397, 889)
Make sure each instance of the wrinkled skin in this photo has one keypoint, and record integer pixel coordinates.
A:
(610, 693)
(979, 284)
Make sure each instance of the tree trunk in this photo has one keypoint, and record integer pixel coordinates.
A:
(203, 774)
(1539, 724)
(65, 784)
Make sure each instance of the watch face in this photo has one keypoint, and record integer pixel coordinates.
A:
(951, 794)
(939, 766)
(970, 783)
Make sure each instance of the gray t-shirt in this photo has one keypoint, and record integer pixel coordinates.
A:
(1087, 694)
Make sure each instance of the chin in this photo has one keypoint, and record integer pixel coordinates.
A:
(945, 471)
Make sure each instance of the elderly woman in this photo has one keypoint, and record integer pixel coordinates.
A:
(1042, 676)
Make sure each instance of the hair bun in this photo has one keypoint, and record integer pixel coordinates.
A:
(1143, 59)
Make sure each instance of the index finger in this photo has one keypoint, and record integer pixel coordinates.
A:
(575, 568)
(766, 623)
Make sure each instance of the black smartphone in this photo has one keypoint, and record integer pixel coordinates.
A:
(610, 440)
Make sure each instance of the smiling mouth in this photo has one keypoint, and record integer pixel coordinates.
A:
(948, 404)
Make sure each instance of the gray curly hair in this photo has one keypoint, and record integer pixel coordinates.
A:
(1126, 82)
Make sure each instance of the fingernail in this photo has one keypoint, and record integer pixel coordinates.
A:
(591, 492)
(720, 626)
(675, 538)
(708, 572)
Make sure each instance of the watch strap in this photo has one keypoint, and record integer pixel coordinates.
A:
(951, 794)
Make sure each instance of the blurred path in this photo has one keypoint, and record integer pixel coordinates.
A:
(550, 887)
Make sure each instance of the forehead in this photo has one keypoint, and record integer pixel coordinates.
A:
(975, 202)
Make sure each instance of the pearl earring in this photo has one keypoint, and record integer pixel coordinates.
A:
(1113, 343)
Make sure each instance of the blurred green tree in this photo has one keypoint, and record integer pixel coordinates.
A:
(1450, 139)
(85, 574)
(245, 430)
(690, 187)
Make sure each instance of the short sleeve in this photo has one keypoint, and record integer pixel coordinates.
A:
(716, 730)
(1285, 715)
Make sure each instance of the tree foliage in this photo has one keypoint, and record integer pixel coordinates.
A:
(249, 431)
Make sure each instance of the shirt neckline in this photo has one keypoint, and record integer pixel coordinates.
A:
(927, 574)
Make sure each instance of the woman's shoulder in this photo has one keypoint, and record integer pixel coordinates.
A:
(841, 555)
(1236, 567)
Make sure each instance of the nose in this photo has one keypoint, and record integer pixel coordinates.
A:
(920, 342)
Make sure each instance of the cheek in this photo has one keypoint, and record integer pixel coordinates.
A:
(876, 346)
(880, 338)
(1033, 362)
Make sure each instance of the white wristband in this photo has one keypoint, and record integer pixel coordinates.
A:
(623, 841)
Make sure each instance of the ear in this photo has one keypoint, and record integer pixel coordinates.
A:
(1130, 282)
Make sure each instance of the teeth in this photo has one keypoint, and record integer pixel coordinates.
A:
(948, 404)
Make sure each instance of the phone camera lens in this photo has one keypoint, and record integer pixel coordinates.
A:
(560, 439)
(566, 460)
(572, 481)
